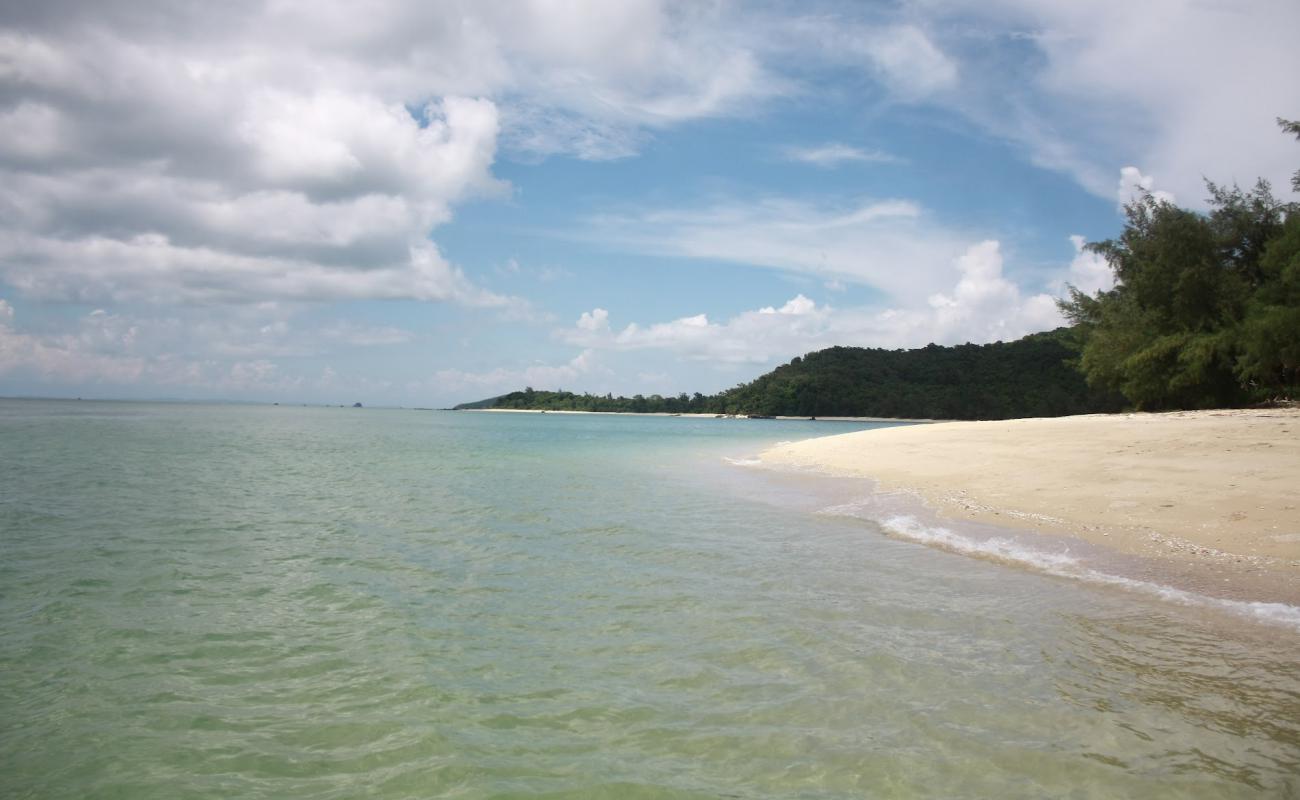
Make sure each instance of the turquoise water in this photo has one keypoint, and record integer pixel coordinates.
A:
(239, 601)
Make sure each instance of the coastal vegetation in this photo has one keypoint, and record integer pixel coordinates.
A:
(1030, 377)
(1206, 307)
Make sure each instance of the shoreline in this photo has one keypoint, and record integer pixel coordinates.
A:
(1201, 501)
(685, 415)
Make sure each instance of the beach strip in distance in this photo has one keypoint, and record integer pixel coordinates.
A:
(1211, 497)
(683, 414)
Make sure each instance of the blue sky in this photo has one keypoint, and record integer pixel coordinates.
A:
(428, 203)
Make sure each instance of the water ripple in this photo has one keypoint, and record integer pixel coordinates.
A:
(255, 602)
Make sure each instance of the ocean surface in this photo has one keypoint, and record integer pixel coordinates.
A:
(279, 602)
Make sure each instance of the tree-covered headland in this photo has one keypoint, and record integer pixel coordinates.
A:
(1205, 312)
(1030, 377)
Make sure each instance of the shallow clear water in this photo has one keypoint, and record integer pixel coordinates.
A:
(221, 601)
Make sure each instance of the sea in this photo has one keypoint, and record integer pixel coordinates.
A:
(257, 601)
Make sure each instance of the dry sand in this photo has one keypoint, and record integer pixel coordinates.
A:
(1212, 495)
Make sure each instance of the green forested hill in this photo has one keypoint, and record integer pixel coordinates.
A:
(1026, 378)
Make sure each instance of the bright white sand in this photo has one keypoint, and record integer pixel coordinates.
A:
(1208, 487)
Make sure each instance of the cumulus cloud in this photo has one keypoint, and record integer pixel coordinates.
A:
(795, 306)
(217, 155)
(304, 151)
(1133, 185)
(750, 337)
(1089, 272)
(982, 306)
(595, 320)
(211, 170)
(355, 133)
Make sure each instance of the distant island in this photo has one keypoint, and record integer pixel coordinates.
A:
(1030, 377)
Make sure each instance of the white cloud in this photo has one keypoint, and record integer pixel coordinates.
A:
(833, 154)
(150, 268)
(1133, 185)
(210, 171)
(910, 61)
(503, 379)
(101, 350)
(219, 350)
(1089, 272)
(1114, 82)
(901, 55)
(797, 305)
(889, 244)
(748, 338)
(329, 142)
(595, 320)
(301, 150)
(982, 306)
(293, 152)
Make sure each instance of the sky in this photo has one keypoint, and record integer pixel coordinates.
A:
(425, 203)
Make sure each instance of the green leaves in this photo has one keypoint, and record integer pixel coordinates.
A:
(1206, 310)
(1269, 335)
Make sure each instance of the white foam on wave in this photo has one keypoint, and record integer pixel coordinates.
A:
(906, 515)
(1060, 562)
(997, 546)
(1276, 613)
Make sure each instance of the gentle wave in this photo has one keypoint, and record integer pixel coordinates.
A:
(1060, 563)
(996, 547)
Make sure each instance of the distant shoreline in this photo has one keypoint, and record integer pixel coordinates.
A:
(687, 415)
(1206, 500)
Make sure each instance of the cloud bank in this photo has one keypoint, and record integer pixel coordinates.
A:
(981, 306)
(258, 156)
(305, 151)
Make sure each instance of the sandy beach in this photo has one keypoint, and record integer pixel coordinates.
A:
(1210, 497)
